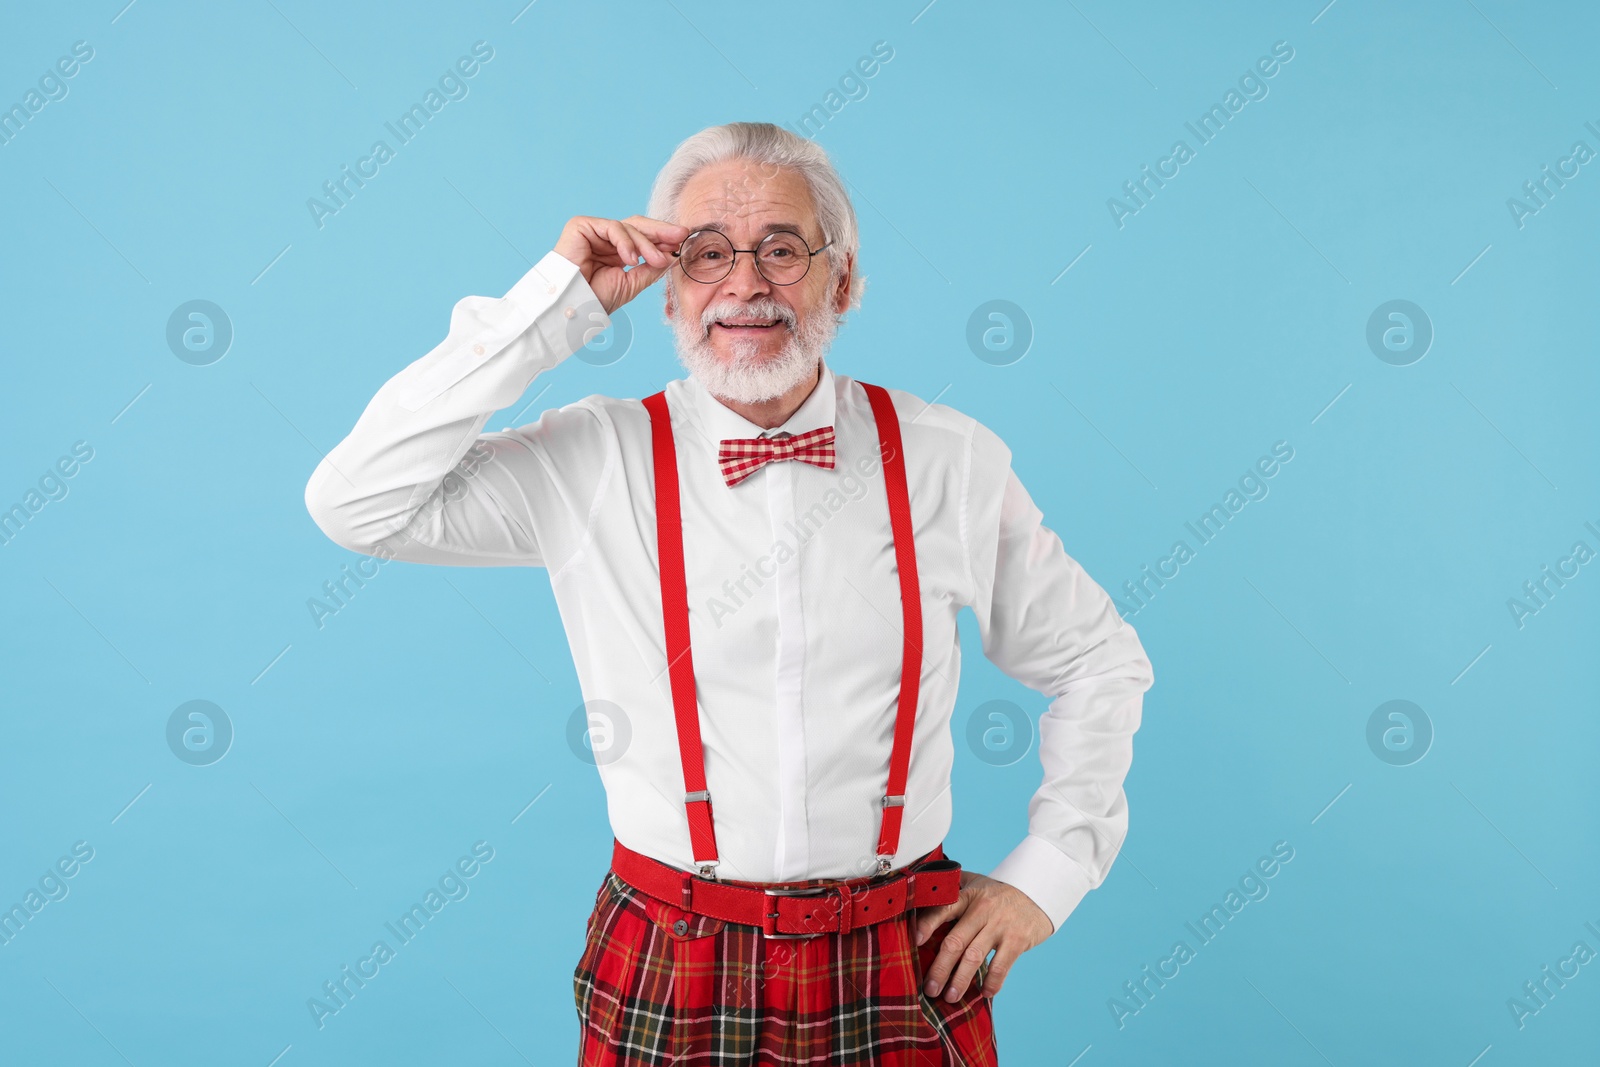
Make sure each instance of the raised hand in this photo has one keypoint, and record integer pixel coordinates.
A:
(602, 248)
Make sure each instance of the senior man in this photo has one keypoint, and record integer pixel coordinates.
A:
(760, 567)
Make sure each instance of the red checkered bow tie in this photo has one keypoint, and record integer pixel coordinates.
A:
(741, 457)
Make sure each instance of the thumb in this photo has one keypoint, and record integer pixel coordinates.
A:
(631, 283)
(618, 287)
(644, 275)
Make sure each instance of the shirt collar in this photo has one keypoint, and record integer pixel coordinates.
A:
(720, 421)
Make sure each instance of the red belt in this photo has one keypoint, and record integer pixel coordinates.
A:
(788, 909)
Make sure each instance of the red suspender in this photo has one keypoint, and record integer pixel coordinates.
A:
(905, 561)
(675, 621)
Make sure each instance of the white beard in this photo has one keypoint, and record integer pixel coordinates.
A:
(748, 378)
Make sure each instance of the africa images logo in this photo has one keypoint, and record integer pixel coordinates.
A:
(453, 885)
(452, 85)
(1206, 128)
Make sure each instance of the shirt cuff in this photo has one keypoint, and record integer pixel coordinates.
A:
(556, 279)
(1046, 875)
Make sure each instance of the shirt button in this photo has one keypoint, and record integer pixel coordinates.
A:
(680, 927)
(477, 350)
(552, 289)
(570, 313)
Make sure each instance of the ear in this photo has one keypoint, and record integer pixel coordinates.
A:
(841, 294)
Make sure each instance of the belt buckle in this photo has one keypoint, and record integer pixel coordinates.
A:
(769, 919)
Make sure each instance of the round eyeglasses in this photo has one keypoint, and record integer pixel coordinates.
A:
(782, 257)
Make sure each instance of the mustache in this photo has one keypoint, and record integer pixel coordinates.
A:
(764, 308)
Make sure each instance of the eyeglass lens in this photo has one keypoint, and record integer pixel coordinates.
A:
(782, 257)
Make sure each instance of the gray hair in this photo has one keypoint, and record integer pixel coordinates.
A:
(768, 146)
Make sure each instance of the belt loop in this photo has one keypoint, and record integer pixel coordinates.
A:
(687, 885)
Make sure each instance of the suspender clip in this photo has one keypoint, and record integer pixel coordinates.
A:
(895, 801)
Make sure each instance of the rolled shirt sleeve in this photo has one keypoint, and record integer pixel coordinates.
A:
(417, 480)
(1046, 623)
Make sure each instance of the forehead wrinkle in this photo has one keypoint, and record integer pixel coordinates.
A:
(717, 212)
(725, 197)
(728, 206)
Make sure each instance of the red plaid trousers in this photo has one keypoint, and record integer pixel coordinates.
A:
(660, 985)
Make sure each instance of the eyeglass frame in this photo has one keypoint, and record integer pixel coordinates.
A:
(734, 260)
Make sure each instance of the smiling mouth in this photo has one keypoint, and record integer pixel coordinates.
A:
(749, 325)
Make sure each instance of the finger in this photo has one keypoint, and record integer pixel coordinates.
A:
(968, 965)
(951, 950)
(608, 243)
(615, 243)
(664, 234)
(653, 255)
(657, 252)
(601, 239)
(656, 262)
(999, 967)
(623, 241)
(930, 919)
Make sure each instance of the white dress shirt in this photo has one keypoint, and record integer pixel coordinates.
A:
(794, 602)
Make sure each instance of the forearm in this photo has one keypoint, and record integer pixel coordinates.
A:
(1078, 817)
(388, 485)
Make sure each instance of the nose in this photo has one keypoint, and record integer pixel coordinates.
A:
(744, 281)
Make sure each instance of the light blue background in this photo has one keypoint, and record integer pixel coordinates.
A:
(1228, 314)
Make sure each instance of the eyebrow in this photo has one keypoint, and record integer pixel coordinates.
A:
(770, 227)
